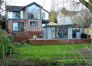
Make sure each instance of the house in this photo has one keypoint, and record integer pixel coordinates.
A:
(65, 28)
(32, 22)
(88, 31)
(26, 21)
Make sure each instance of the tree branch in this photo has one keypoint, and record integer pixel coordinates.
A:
(87, 4)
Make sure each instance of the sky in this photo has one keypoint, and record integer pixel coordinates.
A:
(45, 3)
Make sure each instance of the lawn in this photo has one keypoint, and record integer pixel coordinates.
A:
(51, 51)
(67, 53)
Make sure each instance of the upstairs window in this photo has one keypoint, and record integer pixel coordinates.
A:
(43, 15)
(34, 12)
(16, 15)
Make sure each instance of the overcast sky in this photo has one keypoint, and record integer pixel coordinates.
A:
(45, 3)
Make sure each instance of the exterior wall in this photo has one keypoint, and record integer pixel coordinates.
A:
(64, 20)
(27, 26)
(10, 26)
(45, 16)
(88, 31)
(28, 30)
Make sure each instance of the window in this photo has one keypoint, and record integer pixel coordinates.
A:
(16, 15)
(34, 12)
(43, 15)
(53, 32)
(34, 24)
(63, 32)
(18, 26)
(75, 30)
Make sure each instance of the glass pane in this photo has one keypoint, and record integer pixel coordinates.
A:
(34, 12)
(34, 24)
(15, 26)
(16, 15)
(63, 32)
(19, 26)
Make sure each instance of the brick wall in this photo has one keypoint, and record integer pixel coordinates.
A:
(60, 42)
(24, 36)
(27, 26)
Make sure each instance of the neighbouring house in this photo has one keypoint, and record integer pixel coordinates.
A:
(65, 28)
(88, 31)
(26, 21)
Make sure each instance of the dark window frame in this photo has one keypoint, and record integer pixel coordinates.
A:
(18, 27)
(16, 13)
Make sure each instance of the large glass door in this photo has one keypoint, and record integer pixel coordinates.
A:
(63, 32)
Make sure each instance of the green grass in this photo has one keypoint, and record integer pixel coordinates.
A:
(50, 52)
(49, 55)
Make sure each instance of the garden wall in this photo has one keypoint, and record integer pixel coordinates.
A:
(59, 42)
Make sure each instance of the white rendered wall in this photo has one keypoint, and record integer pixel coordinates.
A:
(46, 15)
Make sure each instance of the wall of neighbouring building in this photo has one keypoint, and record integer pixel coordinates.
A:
(88, 31)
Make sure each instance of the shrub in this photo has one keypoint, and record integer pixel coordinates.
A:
(5, 44)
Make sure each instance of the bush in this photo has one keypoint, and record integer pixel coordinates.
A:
(5, 43)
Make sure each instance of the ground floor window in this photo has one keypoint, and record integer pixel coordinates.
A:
(63, 32)
(18, 26)
(34, 24)
(74, 32)
(53, 32)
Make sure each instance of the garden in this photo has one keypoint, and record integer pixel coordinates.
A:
(26, 54)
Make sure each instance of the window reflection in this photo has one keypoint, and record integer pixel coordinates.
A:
(34, 24)
(16, 15)
(18, 26)
(34, 12)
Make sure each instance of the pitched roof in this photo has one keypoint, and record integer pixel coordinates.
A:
(33, 4)
(52, 23)
(19, 8)
(14, 8)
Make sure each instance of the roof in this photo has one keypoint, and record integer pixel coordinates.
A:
(14, 8)
(36, 5)
(33, 4)
(19, 8)
(69, 13)
(52, 23)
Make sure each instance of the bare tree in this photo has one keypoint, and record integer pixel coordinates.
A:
(88, 4)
